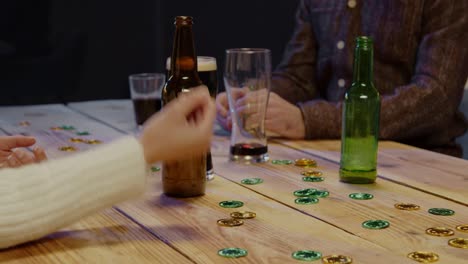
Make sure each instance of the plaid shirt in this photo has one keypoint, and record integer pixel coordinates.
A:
(420, 66)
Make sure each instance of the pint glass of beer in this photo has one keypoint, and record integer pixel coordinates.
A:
(207, 71)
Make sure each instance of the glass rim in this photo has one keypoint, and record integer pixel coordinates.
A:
(146, 75)
(248, 50)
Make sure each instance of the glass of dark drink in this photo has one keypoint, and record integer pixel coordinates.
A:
(145, 90)
(247, 78)
(207, 71)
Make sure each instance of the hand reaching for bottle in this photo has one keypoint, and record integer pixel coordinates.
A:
(183, 128)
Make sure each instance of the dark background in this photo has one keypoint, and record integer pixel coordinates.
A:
(55, 51)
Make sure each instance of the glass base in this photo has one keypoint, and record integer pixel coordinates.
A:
(358, 177)
(250, 158)
(210, 175)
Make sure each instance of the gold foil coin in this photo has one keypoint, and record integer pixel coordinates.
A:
(458, 242)
(440, 231)
(305, 162)
(230, 222)
(243, 215)
(93, 141)
(341, 259)
(24, 123)
(462, 228)
(76, 140)
(407, 206)
(67, 148)
(312, 173)
(56, 128)
(423, 256)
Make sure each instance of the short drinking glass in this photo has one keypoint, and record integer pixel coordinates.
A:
(145, 90)
(247, 78)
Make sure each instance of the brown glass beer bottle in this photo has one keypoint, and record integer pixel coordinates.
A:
(185, 177)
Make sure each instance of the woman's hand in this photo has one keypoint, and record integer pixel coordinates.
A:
(183, 128)
(11, 154)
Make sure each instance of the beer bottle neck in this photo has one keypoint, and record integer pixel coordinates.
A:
(363, 63)
(183, 60)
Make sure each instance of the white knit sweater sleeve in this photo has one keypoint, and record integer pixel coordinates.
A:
(38, 199)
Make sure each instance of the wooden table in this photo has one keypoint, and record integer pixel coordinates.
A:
(159, 229)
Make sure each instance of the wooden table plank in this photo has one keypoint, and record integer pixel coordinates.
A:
(438, 174)
(107, 237)
(115, 113)
(190, 226)
(407, 230)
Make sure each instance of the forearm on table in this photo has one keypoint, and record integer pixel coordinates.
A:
(38, 199)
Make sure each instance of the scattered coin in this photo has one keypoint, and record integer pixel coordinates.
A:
(361, 196)
(230, 222)
(67, 148)
(441, 211)
(306, 200)
(232, 252)
(311, 173)
(305, 162)
(93, 142)
(440, 231)
(76, 140)
(312, 179)
(304, 192)
(83, 133)
(155, 169)
(231, 204)
(56, 128)
(252, 181)
(306, 255)
(462, 228)
(407, 206)
(423, 256)
(282, 162)
(375, 224)
(458, 242)
(67, 127)
(337, 259)
(320, 193)
(243, 215)
(24, 123)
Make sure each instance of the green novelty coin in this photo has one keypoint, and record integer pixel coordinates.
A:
(232, 252)
(312, 179)
(441, 211)
(252, 181)
(320, 193)
(361, 196)
(306, 255)
(231, 204)
(304, 192)
(306, 200)
(155, 169)
(375, 224)
(83, 133)
(282, 162)
(67, 127)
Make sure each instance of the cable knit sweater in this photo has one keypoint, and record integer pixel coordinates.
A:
(420, 67)
(38, 199)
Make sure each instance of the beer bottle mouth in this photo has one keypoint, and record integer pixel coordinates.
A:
(364, 42)
(183, 20)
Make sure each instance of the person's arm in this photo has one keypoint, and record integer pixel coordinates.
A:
(40, 198)
(431, 98)
(294, 78)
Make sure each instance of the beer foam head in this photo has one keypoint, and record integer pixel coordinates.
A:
(204, 63)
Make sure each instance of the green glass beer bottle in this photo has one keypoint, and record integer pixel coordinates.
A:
(360, 122)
